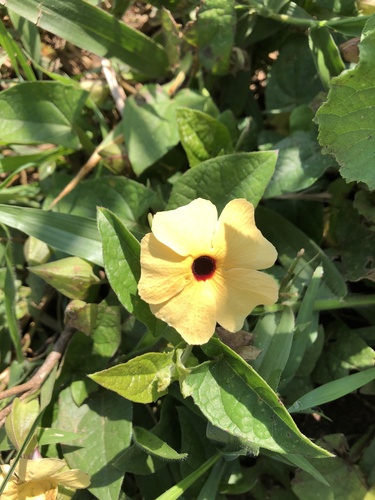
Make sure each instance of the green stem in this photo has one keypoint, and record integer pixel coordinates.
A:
(330, 304)
(347, 302)
(186, 354)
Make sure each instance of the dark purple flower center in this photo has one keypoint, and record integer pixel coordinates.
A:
(203, 268)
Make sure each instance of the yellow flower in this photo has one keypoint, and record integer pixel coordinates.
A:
(197, 270)
(39, 479)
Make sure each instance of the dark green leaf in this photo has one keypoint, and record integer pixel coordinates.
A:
(48, 117)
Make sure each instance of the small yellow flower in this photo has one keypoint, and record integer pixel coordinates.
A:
(197, 270)
(39, 479)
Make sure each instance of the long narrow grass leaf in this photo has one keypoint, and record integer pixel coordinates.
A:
(333, 390)
(71, 234)
(91, 28)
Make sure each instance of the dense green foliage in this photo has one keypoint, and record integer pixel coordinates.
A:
(110, 112)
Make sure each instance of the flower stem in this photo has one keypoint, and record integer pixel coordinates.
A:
(329, 304)
(347, 302)
(186, 354)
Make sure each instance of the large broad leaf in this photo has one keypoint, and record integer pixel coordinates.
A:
(40, 112)
(241, 175)
(150, 124)
(289, 240)
(128, 199)
(299, 164)
(94, 30)
(69, 233)
(104, 426)
(237, 400)
(121, 255)
(293, 79)
(346, 120)
(216, 21)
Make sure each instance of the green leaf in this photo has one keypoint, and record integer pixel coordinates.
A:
(10, 300)
(128, 199)
(356, 241)
(143, 379)
(299, 164)
(71, 276)
(48, 117)
(289, 240)
(273, 335)
(346, 351)
(104, 425)
(69, 233)
(155, 446)
(202, 136)
(12, 163)
(178, 489)
(91, 28)
(233, 397)
(55, 436)
(333, 390)
(241, 175)
(121, 255)
(345, 480)
(293, 79)
(216, 21)
(346, 127)
(15, 55)
(326, 55)
(149, 123)
(19, 423)
(306, 326)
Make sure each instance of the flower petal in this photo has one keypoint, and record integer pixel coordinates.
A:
(187, 230)
(192, 312)
(34, 470)
(164, 273)
(73, 478)
(239, 242)
(241, 291)
(43, 489)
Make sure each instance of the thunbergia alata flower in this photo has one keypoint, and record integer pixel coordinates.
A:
(39, 479)
(197, 270)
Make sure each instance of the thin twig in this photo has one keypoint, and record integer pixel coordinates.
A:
(116, 90)
(36, 381)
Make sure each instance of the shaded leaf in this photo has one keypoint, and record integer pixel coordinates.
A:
(215, 31)
(346, 125)
(48, 117)
(103, 416)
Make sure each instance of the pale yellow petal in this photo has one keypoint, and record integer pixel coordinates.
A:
(240, 291)
(164, 273)
(11, 488)
(33, 470)
(73, 478)
(187, 230)
(238, 242)
(192, 312)
(44, 489)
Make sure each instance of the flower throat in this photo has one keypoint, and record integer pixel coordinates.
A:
(203, 268)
